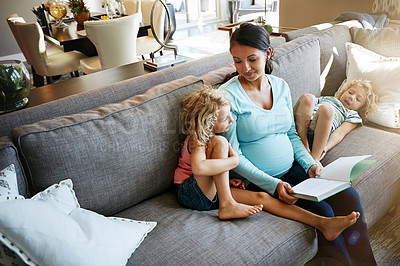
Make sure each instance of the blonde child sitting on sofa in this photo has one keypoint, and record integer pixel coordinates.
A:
(202, 175)
(324, 121)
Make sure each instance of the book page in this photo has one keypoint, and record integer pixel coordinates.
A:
(317, 187)
(340, 169)
(360, 167)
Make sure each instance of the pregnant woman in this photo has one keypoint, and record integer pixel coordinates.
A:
(272, 156)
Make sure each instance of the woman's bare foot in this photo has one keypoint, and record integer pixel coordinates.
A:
(334, 226)
(238, 210)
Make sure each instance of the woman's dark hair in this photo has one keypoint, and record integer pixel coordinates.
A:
(255, 36)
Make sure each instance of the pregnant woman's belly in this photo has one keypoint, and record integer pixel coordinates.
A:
(272, 154)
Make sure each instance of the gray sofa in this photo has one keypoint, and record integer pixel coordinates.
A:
(120, 144)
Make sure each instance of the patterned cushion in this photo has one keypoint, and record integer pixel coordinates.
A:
(8, 156)
(9, 257)
(8, 184)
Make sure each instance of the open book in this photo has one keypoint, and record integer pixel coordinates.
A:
(335, 177)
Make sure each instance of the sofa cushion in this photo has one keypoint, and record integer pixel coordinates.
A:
(217, 77)
(377, 185)
(275, 41)
(297, 62)
(291, 35)
(385, 41)
(200, 238)
(116, 155)
(8, 156)
(333, 57)
(381, 181)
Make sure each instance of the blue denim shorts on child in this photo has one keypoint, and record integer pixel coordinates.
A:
(191, 196)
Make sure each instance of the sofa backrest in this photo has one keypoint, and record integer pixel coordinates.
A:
(298, 63)
(109, 94)
(333, 57)
(116, 155)
(332, 37)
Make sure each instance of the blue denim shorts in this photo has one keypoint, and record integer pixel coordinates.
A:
(191, 196)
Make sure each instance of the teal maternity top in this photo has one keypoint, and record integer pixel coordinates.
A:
(266, 140)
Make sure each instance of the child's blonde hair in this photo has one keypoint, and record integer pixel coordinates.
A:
(373, 96)
(200, 113)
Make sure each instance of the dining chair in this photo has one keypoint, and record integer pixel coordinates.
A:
(115, 42)
(46, 60)
(148, 44)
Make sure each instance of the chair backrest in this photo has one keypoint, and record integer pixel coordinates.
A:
(132, 6)
(30, 39)
(158, 17)
(10, 21)
(115, 39)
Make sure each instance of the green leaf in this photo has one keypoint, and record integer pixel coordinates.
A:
(268, 28)
(12, 86)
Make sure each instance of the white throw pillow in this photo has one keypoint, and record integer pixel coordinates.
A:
(8, 184)
(52, 229)
(384, 41)
(384, 72)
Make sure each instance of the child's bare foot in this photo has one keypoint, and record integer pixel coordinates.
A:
(238, 210)
(334, 226)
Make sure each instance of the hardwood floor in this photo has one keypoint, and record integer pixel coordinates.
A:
(385, 239)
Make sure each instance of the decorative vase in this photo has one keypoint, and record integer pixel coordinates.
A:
(15, 84)
(81, 18)
(58, 9)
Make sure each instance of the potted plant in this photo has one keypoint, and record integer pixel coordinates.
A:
(79, 10)
(262, 21)
(15, 85)
(40, 12)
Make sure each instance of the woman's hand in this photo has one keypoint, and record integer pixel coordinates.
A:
(236, 183)
(314, 171)
(283, 189)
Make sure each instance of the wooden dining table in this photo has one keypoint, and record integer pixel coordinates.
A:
(70, 39)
